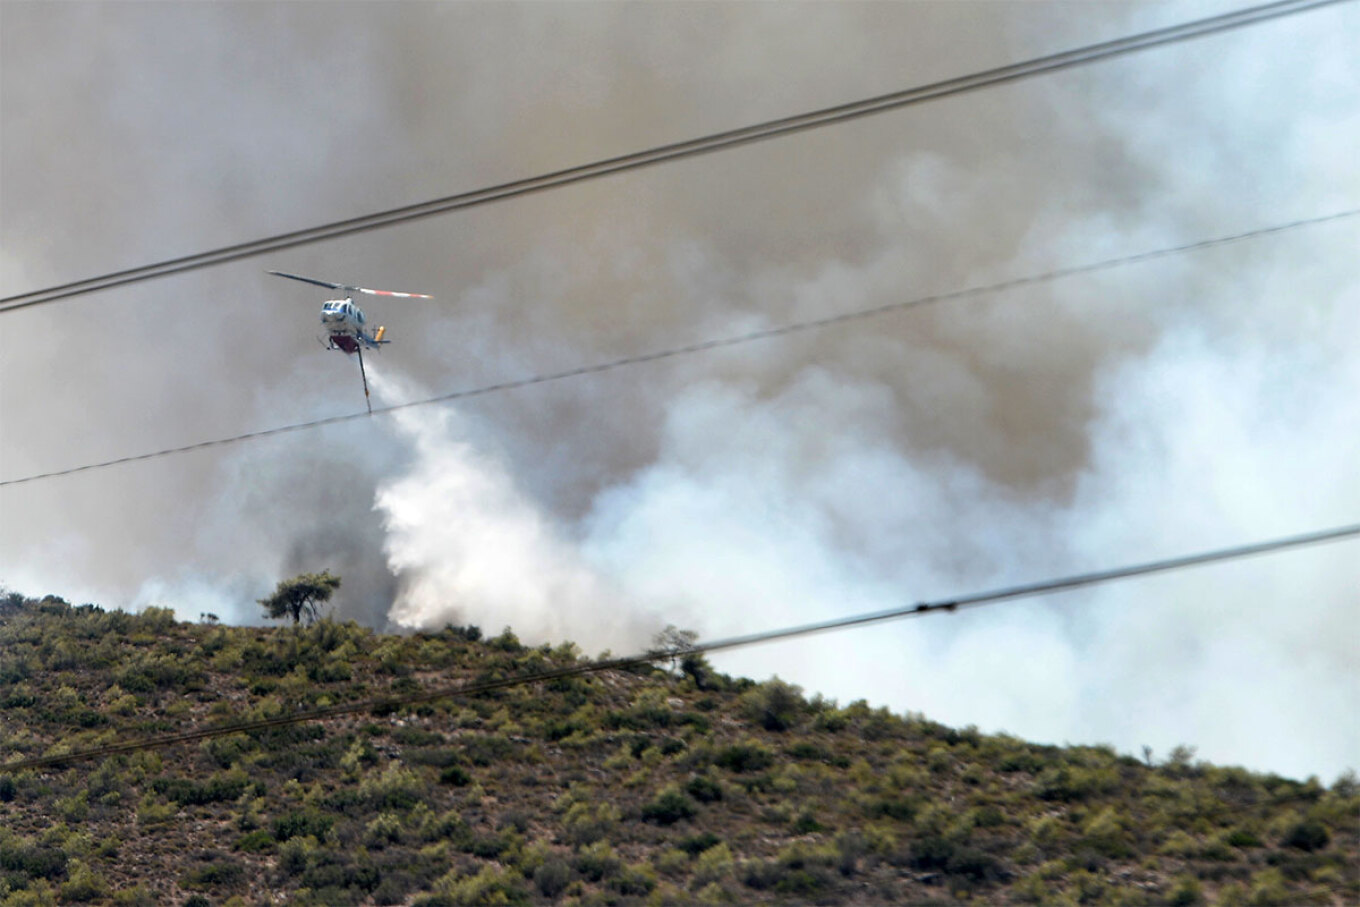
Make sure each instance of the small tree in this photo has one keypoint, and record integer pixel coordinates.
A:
(673, 644)
(302, 596)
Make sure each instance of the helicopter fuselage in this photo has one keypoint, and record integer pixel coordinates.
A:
(345, 326)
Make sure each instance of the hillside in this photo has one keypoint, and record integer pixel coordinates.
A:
(645, 786)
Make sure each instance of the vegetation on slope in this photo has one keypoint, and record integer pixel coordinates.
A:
(651, 786)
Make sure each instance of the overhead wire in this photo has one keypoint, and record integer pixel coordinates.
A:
(706, 345)
(920, 609)
(676, 151)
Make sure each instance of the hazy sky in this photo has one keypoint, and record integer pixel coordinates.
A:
(1168, 407)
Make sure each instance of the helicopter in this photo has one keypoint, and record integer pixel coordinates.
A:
(345, 323)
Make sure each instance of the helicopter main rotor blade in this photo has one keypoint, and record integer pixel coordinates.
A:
(389, 293)
(319, 283)
(348, 288)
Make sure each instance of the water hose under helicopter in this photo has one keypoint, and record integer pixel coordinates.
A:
(364, 375)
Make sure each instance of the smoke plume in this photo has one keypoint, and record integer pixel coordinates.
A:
(1176, 405)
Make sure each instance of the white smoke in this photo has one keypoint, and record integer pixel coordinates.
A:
(1187, 403)
(763, 514)
(468, 547)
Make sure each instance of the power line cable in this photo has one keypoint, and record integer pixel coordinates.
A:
(1010, 593)
(677, 151)
(707, 345)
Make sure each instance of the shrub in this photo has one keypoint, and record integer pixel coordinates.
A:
(973, 865)
(393, 888)
(1105, 834)
(490, 886)
(1186, 893)
(488, 847)
(598, 861)
(850, 847)
(396, 788)
(506, 642)
(455, 775)
(808, 752)
(587, 822)
(1308, 835)
(792, 878)
(219, 874)
(1070, 784)
(383, 830)
(488, 749)
(634, 881)
(744, 757)
(33, 861)
(704, 789)
(217, 789)
(1268, 889)
(699, 843)
(302, 824)
(553, 877)
(761, 875)
(415, 736)
(930, 851)
(903, 809)
(256, 841)
(670, 806)
(1242, 837)
(775, 706)
(84, 885)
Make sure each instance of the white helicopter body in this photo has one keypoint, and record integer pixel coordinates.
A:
(344, 322)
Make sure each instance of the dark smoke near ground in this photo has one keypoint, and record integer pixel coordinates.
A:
(1178, 405)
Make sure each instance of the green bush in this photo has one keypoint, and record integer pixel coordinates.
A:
(256, 841)
(808, 752)
(598, 862)
(634, 881)
(301, 824)
(1242, 837)
(553, 877)
(699, 843)
(218, 874)
(586, 822)
(1308, 835)
(34, 861)
(704, 789)
(775, 705)
(1073, 784)
(669, 807)
(414, 736)
(903, 809)
(84, 885)
(744, 757)
(792, 875)
(217, 789)
(1186, 893)
(455, 775)
(488, 749)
